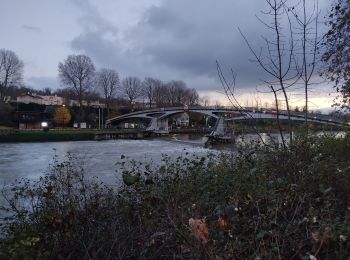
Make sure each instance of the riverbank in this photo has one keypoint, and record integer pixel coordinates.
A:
(266, 203)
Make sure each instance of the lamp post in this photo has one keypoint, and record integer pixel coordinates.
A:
(63, 115)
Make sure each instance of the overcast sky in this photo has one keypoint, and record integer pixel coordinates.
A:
(165, 39)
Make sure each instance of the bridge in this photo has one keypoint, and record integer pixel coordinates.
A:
(225, 117)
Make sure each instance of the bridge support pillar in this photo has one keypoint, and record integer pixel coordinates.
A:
(224, 130)
(159, 126)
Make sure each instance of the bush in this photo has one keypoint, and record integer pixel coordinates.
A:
(261, 203)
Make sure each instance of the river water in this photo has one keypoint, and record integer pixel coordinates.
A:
(99, 158)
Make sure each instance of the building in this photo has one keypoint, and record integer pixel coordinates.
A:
(54, 100)
(31, 119)
(182, 120)
(41, 100)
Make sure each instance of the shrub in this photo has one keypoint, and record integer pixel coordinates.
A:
(260, 203)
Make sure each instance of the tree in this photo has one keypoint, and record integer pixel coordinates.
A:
(336, 50)
(132, 89)
(11, 71)
(150, 87)
(278, 55)
(108, 80)
(90, 96)
(192, 97)
(67, 93)
(77, 72)
(62, 116)
(177, 91)
(6, 111)
(289, 56)
(47, 91)
(160, 94)
(308, 31)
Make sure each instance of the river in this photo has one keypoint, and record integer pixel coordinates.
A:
(99, 158)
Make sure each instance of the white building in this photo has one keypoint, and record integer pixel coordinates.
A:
(53, 100)
(41, 100)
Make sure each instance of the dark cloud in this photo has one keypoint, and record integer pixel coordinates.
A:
(179, 40)
(99, 39)
(31, 28)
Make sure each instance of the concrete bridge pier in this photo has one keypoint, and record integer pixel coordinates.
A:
(159, 126)
(224, 130)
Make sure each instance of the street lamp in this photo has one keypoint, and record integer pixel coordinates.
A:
(63, 115)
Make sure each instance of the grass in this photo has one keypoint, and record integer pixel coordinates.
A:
(262, 203)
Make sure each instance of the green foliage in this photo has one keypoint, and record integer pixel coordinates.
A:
(336, 51)
(259, 203)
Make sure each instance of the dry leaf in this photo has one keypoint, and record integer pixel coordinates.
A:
(199, 229)
(222, 223)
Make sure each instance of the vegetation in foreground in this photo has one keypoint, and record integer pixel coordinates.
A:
(267, 203)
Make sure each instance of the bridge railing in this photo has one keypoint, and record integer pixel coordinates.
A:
(320, 117)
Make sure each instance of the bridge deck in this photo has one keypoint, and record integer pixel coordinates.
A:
(246, 114)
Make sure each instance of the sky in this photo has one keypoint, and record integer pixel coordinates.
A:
(165, 39)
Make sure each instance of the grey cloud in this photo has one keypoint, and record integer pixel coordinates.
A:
(99, 38)
(191, 39)
(31, 28)
(43, 82)
(179, 40)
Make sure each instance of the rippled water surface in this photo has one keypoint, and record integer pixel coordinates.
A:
(32, 160)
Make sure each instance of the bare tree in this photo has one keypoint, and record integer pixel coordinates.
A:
(77, 72)
(181, 91)
(171, 92)
(160, 95)
(67, 93)
(177, 91)
(11, 71)
(308, 34)
(278, 59)
(132, 89)
(192, 97)
(47, 91)
(108, 80)
(229, 89)
(150, 87)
